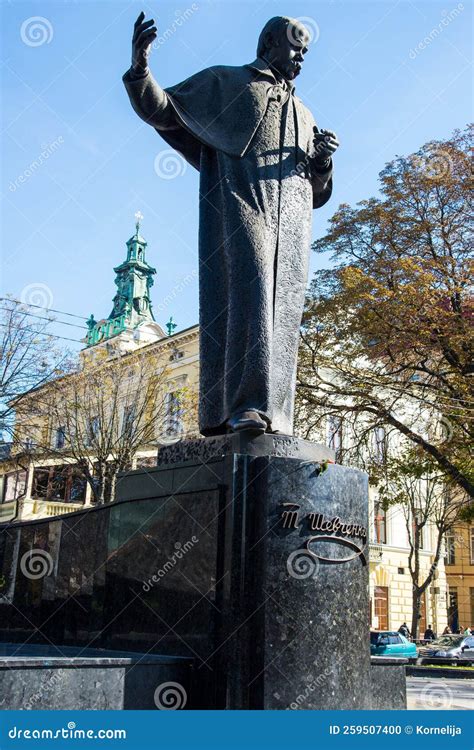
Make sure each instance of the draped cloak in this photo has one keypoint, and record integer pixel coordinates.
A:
(251, 139)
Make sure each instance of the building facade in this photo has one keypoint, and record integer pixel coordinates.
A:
(39, 476)
(391, 586)
(460, 576)
(390, 581)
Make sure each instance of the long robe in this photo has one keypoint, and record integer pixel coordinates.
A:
(252, 140)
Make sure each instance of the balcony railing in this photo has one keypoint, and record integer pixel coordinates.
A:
(56, 508)
(375, 552)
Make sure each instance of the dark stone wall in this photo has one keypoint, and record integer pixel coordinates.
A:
(100, 591)
(388, 685)
(94, 685)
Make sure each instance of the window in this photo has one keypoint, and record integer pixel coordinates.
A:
(335, 436)
(40, 483)
(174, 413)
(128, 418)
(381, 607)
(394, 639)
(57, 483)
(450, 558)
(14, 486)
(176, 354)
(62, 483)
(380, 524)
(380, 444)
(93, 430)
(453, 611)
(60, 438)
(77, 487)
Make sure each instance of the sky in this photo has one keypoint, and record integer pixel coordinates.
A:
(77, 163)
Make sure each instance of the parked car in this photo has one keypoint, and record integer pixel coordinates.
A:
(448, 648)
(391, 643)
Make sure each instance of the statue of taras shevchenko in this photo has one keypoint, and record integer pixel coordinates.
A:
(264, 166)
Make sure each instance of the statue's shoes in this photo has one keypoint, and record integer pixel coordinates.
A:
(246, 420)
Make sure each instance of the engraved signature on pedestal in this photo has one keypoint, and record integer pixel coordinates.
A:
(333, 530)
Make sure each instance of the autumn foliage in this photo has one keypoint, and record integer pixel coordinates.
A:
(387, 331)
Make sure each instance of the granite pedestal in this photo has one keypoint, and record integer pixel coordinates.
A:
(292, 581)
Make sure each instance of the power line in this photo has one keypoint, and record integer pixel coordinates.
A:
(36, 333)
(51, 320)
(42, 307)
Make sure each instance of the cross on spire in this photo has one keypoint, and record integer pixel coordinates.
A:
(138, 218)
(171, 326)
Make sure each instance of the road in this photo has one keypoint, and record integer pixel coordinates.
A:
(434, 694)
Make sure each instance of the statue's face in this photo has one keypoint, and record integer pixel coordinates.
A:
(287, 53)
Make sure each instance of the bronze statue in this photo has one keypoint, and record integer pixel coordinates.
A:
(264, 166)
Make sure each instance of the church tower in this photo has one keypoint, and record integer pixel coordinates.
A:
(133, 281)
(132, 307)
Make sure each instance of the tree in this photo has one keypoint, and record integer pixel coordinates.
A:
(414, 483)
(29, 358)
(102, 414)
(387, 333)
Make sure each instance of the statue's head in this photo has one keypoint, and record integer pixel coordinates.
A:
(283, 42)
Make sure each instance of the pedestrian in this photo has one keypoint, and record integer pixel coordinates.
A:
(467, 631)
(430, 635)
(403, 629)
(447, 630)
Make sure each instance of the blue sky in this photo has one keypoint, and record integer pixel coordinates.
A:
(386, 76)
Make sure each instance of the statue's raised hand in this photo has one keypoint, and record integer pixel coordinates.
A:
(144, 34)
